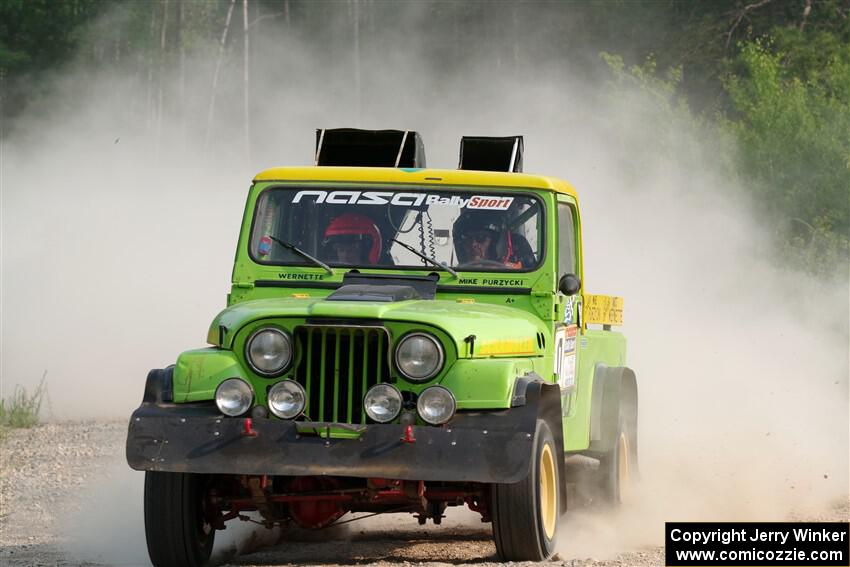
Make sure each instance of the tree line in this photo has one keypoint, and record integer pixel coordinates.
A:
(772, 74)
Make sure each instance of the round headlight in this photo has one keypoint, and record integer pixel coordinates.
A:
(269, 351)
(382, 403)
(436, 405)
(419, 357)
(287, 399)
(234, 397)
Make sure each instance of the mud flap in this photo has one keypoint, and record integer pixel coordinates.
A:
(549, 410)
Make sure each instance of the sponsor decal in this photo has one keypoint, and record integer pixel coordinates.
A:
(565, 356)
(510, 282)
(603, 309)
(507, 346)
(489, 203)
(568, 311)
(484, 202)
(300, 277)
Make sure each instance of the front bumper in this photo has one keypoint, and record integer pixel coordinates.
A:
(490, 447)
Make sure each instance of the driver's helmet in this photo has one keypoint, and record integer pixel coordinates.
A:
(349, 227)
(471, 223)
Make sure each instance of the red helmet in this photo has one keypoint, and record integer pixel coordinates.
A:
(352, 224)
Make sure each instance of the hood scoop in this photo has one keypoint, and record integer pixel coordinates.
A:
(385, 288)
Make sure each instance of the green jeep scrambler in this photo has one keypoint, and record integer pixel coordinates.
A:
(396, 339)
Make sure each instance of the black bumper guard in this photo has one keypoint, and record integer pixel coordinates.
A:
(485, 446)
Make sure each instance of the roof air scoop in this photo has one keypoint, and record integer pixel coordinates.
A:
(369, 148)
(486, 153)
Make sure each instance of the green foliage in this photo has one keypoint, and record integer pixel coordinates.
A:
(36, 33)
(22, 409)
(646, 78)
(792, 122)
(789, 115)
(678, 132)
(817, 249)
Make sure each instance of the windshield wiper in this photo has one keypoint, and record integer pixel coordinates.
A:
(294, 248)
(426, 258)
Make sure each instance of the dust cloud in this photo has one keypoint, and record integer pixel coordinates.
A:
(119, 227)
(742, 365)
(108, 529)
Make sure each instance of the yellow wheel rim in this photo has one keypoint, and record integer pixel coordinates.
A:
(623, 474)
(548, 492)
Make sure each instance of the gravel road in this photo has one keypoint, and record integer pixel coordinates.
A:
(42, 472)
(67, 498)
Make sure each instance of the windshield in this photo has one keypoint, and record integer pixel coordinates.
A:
(489, 231)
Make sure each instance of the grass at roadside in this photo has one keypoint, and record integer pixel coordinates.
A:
(22, 408)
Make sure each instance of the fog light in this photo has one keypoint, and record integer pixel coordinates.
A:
(436, 405)
(234, 397)
(287, 399)
(382, 403)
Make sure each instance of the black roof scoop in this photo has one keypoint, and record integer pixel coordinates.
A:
(369, 148)
(486, 153)
(386, 288)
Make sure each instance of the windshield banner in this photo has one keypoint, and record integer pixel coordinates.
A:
(485, 202)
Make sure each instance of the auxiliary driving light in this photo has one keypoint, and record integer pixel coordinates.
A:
(269, 351)
(419, 357)
(436, 405)
(287, 399)
(234, 397)
(382, 403)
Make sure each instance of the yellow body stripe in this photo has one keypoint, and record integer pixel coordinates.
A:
(489, 179)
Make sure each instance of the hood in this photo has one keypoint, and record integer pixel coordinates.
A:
(497, 330)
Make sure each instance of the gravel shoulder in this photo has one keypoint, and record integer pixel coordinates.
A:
(67, 498)
(42, 471)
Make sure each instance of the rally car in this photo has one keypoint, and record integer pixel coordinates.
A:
(396, 339)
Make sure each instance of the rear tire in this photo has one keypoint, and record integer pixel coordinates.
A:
(178, 534)
(618, 470)
(526, 514)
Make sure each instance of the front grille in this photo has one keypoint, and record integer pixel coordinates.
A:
(336, 367)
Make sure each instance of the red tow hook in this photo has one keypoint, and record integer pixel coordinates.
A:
(408, 435)
(248, 428)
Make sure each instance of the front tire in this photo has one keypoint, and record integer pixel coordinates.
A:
(526, 514)
(177, 532)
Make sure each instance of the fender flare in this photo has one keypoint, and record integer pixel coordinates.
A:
(614, 396)
(159, 386)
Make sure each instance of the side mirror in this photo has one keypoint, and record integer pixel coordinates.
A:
(569, 284)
